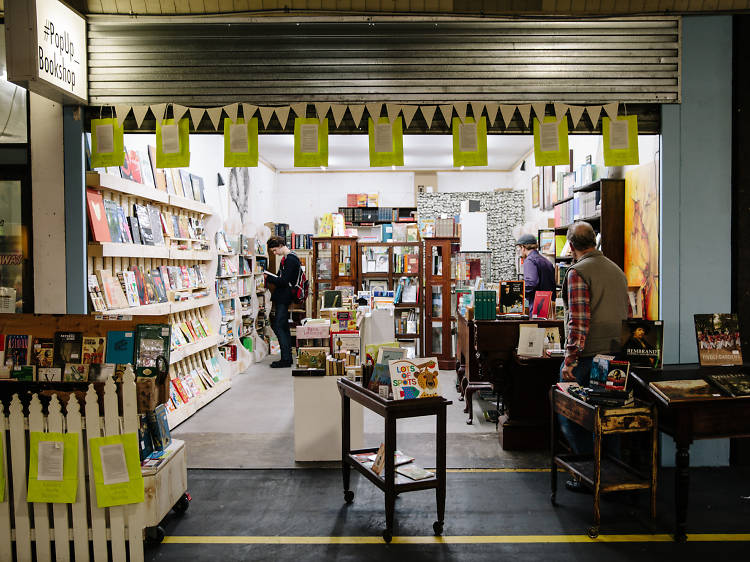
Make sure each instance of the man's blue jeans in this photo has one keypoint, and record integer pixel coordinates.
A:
(580, 440)
(281, 329)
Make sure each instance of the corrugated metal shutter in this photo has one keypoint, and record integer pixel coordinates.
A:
(210, 64)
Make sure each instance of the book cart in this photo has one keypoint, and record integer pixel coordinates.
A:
(390, 482)
(603, 473)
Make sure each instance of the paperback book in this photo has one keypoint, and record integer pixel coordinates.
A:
(152, 341)
(43, 352)
(414, 378)
(68, 348)
(512, 297)
(93, 349)
(120, 347)
(718, 339)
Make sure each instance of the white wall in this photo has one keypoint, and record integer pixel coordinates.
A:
(468, 180)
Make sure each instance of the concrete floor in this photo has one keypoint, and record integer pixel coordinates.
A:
(251, 426)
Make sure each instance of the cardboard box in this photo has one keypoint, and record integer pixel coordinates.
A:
(313, 331)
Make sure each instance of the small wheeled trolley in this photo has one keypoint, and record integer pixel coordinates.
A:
(165, 490)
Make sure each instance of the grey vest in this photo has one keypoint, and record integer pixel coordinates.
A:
(608, 292)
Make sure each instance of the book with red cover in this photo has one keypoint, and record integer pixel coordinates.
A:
(131, 168)
(181, 391)
(97, 216)
(542, 304)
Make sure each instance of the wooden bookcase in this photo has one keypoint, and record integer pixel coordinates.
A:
(391, 277)
(334, 265)
(439, 317)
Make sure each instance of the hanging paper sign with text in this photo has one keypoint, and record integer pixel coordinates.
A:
(386, 142)
(107, 145)
(173, 143)
(310, 143)
(241, 143)
(53, 467)
(620, 138)
(116, 463)
(469, 142)
(551, 142)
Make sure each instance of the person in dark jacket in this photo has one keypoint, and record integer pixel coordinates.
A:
(538, 271)
(282, 297)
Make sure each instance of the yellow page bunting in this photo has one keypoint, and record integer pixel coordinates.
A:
(620, 138)
(107, 145)
(241, 143)
(53, 467)
(116, 464)
(551, 142)
(386, 142)
(173, 143)
(469, 142)
(310, 143)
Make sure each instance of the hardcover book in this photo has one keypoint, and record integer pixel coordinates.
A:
(76, 372)
(735, 385)
(542, 304)
(599, 370)
(113, 220)
(414, 378)
(156, 229)
(144, 224)
(93, 349)
(120, 347)
(97, 216)
(718, 339)
(122, 221)
(617, 376)
(512, 297)
(642, 343)
(684, 390)
(131, 168)
(43, 351)
(414, 472)
(135, 232)
(312, 357)
(531, 340)
(381, 377)
(68, 348)
(151, 293)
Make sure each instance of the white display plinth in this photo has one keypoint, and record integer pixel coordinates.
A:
(317, 419)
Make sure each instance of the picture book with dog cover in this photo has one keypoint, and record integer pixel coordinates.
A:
(414, 378)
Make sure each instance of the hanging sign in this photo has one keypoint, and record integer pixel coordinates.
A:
(386, 142)
(116, 463)
(107, 145)
(310, 143)
(551, 142)
(620, 138)
(469, 142)
(241, 143)
(46, 49)
(172, 143)
(53, 467)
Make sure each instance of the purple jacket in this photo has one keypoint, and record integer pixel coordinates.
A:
(539, 275)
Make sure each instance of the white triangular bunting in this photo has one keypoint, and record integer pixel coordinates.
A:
(321, 108)
(232, 110)
(612, 109)
(428, 112)
(248, 111)
(265, 114)
(560, 110)
(158, 110)
(594, 111)
(374, 110)
(392, 109)
(540, 108)
(338, 110)
(576, 111)
(447, 111)
(409, 112)
(214, 113)
(507, 111)
(357, 111)
(139, 112)
(300, 109)
(283, 115)
(492, 111)
(477, 107)
(121, 111)
(525, 111)
(196, 114)
(178, 111)
(460, 108)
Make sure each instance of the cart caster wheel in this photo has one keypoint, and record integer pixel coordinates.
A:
(437, 527)
(387, 536)
(154, 535)
(553, 499)
(593, 532)
(182, 504)
(348, 496)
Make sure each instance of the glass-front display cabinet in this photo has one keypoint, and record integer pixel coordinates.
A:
(440, 306)
(335, 266)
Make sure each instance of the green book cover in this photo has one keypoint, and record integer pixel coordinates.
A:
(151, 341)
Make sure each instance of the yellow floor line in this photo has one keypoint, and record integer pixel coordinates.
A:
(458, 539)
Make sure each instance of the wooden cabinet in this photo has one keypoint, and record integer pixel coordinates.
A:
(439, 291)
(334, 265)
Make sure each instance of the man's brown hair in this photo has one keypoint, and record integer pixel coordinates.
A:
(276, 242)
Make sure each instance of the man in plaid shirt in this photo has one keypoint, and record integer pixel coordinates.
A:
(595, 293)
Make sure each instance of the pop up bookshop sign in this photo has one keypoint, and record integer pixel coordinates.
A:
(386, 142)
(414, 378)
(116, 463)
(310, 143)
(620, 138)
(551, 142)
(172, 143)
(53, 467)
(469, 142)
(241, 143)
(107, 145)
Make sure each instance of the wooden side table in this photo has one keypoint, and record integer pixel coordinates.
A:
(389, 481)
(603, 472)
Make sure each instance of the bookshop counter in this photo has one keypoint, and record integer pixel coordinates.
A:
(708, 417)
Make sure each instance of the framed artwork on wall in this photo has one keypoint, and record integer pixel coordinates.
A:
(535, 191)
(548, 173)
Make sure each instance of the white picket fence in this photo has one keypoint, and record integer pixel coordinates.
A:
(41, 529)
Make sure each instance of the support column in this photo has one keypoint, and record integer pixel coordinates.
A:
(75, 210)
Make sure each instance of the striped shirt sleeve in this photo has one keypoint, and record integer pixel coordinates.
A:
(579, 317)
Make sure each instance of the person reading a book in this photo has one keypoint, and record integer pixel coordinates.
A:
(281, 296)
(538, 271)
(595, 294)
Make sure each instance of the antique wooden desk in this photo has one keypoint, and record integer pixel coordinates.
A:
(389, 481)
(701, 418)
(486, 359)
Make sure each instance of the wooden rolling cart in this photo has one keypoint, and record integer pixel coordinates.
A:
(602, 472)
(390, 482)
